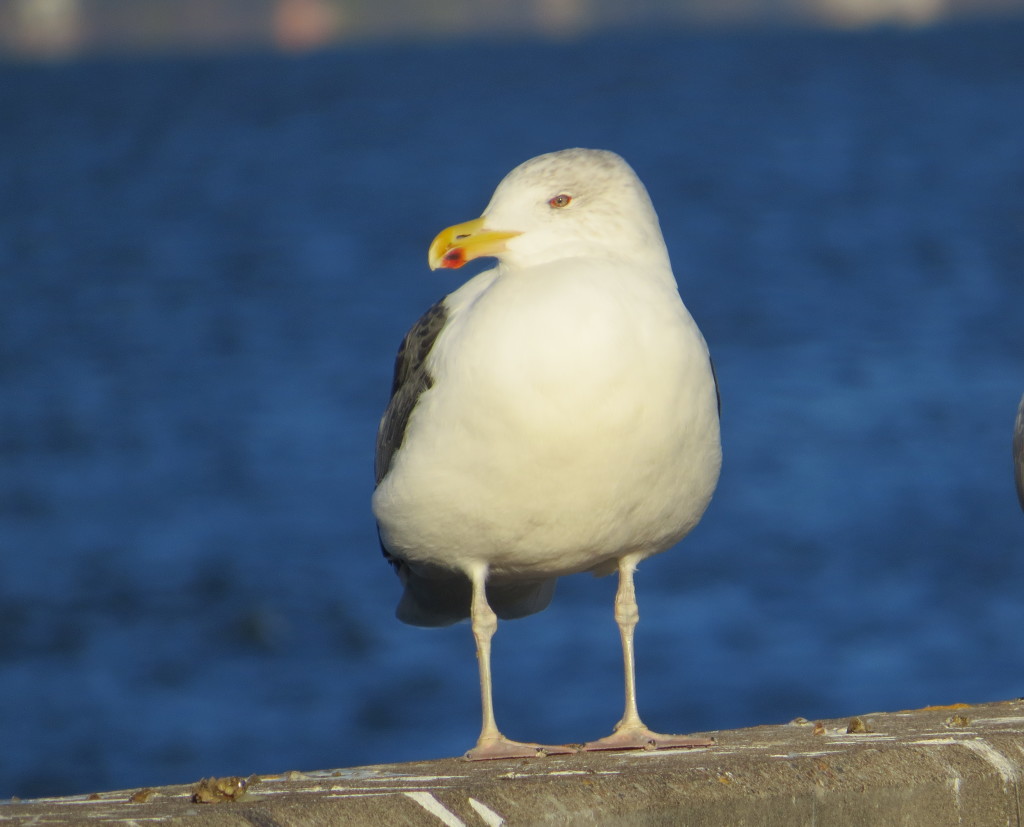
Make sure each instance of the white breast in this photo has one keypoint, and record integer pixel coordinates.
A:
(573, 419)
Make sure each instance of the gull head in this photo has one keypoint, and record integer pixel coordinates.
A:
(568, 204)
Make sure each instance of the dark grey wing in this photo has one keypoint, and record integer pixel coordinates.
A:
(446, 598)
(411, 379)
(718, 395)
(423, 602)
(1018, 452)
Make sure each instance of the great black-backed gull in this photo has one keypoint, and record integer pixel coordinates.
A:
(555, 414)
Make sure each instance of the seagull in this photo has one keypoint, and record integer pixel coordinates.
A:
(556, 414)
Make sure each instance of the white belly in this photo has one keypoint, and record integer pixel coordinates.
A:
(553, 444)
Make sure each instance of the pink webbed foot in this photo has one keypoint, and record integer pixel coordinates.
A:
(640, 737)
(488, 749)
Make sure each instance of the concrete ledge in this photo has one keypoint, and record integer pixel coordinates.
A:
(932, 767)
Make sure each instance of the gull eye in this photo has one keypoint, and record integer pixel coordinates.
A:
(560, 201)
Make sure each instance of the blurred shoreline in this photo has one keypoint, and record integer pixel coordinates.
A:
(35, 30)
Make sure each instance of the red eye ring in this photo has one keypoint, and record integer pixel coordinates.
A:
(559, 201)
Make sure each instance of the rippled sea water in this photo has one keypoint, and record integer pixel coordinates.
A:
(206, 265)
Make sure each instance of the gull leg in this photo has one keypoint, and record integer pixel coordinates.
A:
(630, 732)
(491, 743)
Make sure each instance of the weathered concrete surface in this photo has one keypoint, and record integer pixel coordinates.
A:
(933, 767)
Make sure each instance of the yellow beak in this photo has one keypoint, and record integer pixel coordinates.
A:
(456, 245)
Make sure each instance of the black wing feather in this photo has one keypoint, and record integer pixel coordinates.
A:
(411, 379)
(718, 393)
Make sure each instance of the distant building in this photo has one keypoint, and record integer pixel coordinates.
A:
(44, 27)
(306, 24)
(873, 12)
(62, 28)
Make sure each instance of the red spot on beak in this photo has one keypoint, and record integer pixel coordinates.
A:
(454, 258)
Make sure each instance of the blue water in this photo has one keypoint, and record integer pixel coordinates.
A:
(206, 265)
